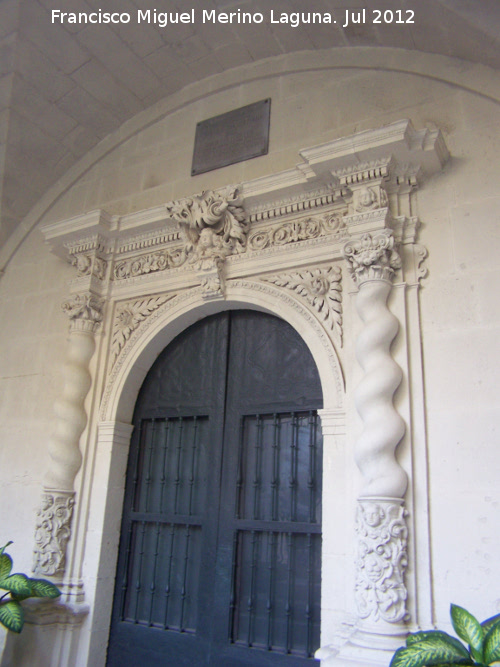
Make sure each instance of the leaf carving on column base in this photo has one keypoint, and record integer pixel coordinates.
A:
(321, 288)
(52, 532)
(381, 560)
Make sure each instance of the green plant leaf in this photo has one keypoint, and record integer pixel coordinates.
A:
(437, 650)
(490, 622)
(469, 629)
(5, 566)
(18, 584)
(12, 615)
(41, 588)
(492, 644)
(2, 549)
(424, 635)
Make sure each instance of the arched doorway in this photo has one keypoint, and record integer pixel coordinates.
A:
(219, 561)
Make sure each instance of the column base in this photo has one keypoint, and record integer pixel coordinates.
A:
(362, 649)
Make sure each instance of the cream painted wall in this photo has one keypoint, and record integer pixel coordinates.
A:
(459, 210)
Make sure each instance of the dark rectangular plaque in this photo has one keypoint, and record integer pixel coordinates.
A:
(232, 137)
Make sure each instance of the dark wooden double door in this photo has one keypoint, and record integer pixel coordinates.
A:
(219, 562)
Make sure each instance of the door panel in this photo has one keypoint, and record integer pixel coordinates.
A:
(219, 561)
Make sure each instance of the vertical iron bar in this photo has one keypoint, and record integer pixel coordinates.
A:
(135, 480)
(232, 598)
(163, 478)
(125, 570)
(293, 467)
(184, 578)
(177, 479)
(310, 594)
(168, 589)
(275, 479)
(193, 461)
(138, 584)
(289, 594)
(270, 595)
(257, 468)
(251, 598)
(311, 481)
(239, 476)
(149, 474)
(152, 587)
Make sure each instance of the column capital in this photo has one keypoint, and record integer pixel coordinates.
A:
(84, 311)
(372, 257)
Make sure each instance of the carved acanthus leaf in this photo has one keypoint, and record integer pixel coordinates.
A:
(128, 317)
(52, 532)
(372, 257)
(211, 220)
(321, 288)
(382, 560)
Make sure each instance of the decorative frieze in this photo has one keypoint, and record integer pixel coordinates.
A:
(52, 532)
(298, 230)
(381, 560)
(321, 288)
(372, 257)
(160, 260)
(128, 317)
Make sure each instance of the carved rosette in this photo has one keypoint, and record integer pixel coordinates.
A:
(321, 288)
(128, 317)
(372, 257)
(84, 312)
(381, 560)
(52, 532)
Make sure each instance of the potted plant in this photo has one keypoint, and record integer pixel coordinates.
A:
(19, 587)
(434, 647)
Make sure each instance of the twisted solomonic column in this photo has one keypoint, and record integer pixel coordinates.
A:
(53, 525)
(380, 522)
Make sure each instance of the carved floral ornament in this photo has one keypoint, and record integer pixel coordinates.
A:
(381, 560)
(321, 288)
(52, 532)
(84, 312)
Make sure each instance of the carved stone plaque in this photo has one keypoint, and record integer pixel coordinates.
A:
(232, 137)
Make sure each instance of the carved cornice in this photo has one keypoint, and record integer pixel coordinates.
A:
(304, 201)
(362, 172)
(84, 312)
(321, 288)
(372, 257)
(382, 559)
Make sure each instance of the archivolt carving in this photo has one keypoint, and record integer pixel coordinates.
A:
(321, 288)
(382, 560)
(298, 230)
(128, 317)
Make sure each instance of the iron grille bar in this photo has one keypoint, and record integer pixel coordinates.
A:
(311, 481)
(149, 473)
(166, 517)
(232, 599)
(140, 448)
(125, 570)
(310, 593)
(289, 594)
(168, 588)
(138, 584)
(177, 479)
(239, 476)
(270, 596)
(257, 469)
(152, 587)
(193, 461)
(253, 579)
(277, 526)
(275, 479)
(293, 467)
(163, 479)
(184, 579)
